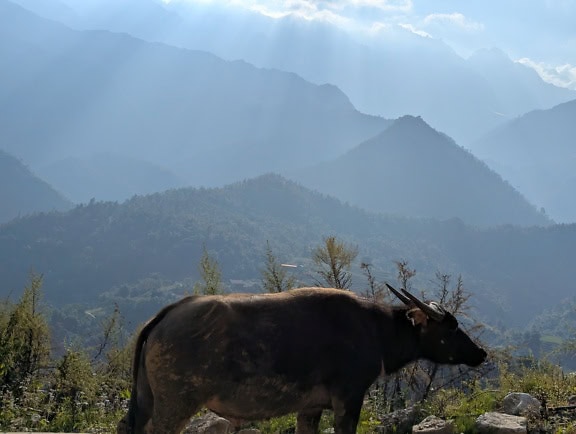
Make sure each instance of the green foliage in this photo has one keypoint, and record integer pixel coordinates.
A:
(287, 424)
(368, 420)
(274, 277)
(74, 392)
(276, 425)
(542, 379)
(211, 283)
(333, 260)
(463, 405)
(24, 339)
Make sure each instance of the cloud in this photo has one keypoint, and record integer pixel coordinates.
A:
(453, 20)
(414, 30)
(559, 75)
(330, 10)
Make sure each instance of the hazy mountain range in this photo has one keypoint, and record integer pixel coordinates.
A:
(537, 154)
(105, 116)
(74, 94)
(399, 73)
(107, 176)
(23, 193)
(412, 170)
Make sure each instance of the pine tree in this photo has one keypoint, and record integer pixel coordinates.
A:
(333, 261)
(274, 277)
(24, 339)
(211, 283)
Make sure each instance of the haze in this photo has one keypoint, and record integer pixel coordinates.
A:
(133, 132)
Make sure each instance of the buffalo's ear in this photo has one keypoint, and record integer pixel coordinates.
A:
(417, 317)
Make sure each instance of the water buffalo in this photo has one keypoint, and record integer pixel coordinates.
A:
(251, 357)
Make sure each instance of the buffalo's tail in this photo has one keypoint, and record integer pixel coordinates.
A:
(138, 362)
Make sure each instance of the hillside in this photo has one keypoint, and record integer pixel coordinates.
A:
(127, 253)
(413, 170)
(22, 192)
(535, 153)
(72, 94)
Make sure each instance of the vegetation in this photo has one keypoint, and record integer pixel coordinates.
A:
(100, 247)
(83, 389)
(333, 261)
(274, 277)
(211, 283)
(86, 385)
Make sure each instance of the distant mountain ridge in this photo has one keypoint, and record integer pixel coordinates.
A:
(23, 193)
(100, 248)
(516, 88)
(71, 94)
(394, 74)
(411, 169)
(535, 153)
(107, 175)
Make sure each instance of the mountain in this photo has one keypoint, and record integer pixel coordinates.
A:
(107, 176)
(110, 252)
(22, 192)
(517, 88)
(54, 9)
(535, 153)
(411, 169)
(209, 121)
(391, 74)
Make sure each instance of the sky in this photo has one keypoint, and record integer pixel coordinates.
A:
(538, 33)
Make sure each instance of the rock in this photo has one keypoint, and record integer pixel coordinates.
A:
(399, 421)
(499, 423)
(521, 404)
(248, 431)
(208, 423)
(434, 425)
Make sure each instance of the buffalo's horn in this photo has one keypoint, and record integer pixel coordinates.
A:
(431, 312)
(402, 298)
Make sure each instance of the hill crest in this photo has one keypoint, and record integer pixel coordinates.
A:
(410, 169)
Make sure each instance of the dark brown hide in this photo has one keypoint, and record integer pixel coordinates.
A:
(250, 357)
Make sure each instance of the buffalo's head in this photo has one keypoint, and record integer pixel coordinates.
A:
(441, 338)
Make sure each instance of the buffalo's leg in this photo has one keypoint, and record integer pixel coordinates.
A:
(170, 417)
(307, 422)
(346, 414)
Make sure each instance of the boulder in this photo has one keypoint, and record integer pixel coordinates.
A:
(434, 425)
(208, 423)
(399, 421)
(521, 404)
(500, 423)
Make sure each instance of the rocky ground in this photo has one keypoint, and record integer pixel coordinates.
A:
(519, 413)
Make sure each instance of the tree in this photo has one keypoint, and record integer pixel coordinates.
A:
(422, 379)
(24, 339)
(211, 283)
(333, 261)
(404, 273)
(376, 290)
(274, 277)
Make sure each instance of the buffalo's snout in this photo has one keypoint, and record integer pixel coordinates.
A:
(479, 358)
